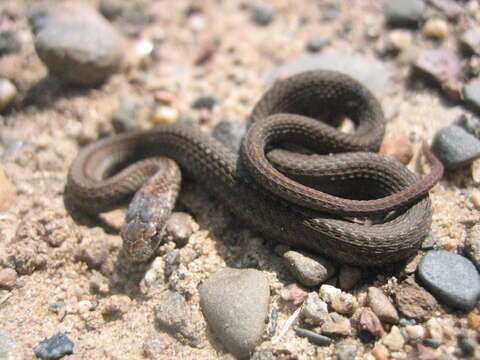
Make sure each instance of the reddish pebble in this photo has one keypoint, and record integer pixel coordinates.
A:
(294, 293)
(473, 320)
(8, 278)
(398, 147)
(380, 352)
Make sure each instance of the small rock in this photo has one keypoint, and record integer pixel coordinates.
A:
(394, 339)
(398, 147)
(369, 322)
(124, 118)
(179, 227)
(328, 293)
(414, 301)
(313, 337)
(435, 330)
(344, 303)
(154, 347)
(8, 91)
(8, 192)
(470, 40)
(475, 198)
(205, 102)
(54, 348)
(235, 304)
(8, 278)
(472, 245)
(452, 278)
(112, 8)
(174, 316)
(336, 325)
(436, 28)
(11, 66)
(230, 133)
(467, 344)
(442, 65)
(404, 12)
(398, 40)
(415, 332)
(380, 352)
(115, 306)
(263, 14)
(263, 355)
(473, 321)
(314, 310)
(308, 269)
(348, 276)
(382, 306)
(9, 42)
(316, 44)
(9, 349)
(294, 293)
(84, 306)
(165, 115)
(455, 147)
(78, 45)
(471, 93)
(470, 123)
(346, 351)
(450, 8)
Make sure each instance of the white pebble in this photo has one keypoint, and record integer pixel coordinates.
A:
(8, 91)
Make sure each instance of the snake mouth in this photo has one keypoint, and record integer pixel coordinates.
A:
(140, 239)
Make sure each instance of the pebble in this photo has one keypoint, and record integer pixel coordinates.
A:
(8, 192)
(467, 344)
(165, 115)
(308, 269)
(8, 278)
(205, 102)
(111, 8)
(313, 337)
(404, 12)
(316, 44)
(230, 133)
(398, 147)
(394, 339)
(436, 28)
(470, 123)
(154, 347)
(328, 293)
(179, 227)
(337, 325)
(370, 322)
(470, 40)
(455, 147)
(344, 303)
(124, 118)
(8, 91)
(435, 330)
(380, 352)
(115, 306)
(450, 8)
(399, 40)
(11, 66)
(54, 348)
(314, 310)
(414, 301)
(173, 314)
(471, 92)
(78, 45)
(263, 355)
(415, 332)
(263, 14)
(345, 351)
(235, 304)
(441, 64)
(348, 276)
(294, 293)
(473, 320)
(452, 278)
(9, 349)
(9, 42)
(382, 306)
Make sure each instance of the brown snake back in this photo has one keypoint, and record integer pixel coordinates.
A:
(224, 174)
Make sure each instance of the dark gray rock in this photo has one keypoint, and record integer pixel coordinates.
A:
(235, 304)
(124, 118)
(9, 42)
(404, 12)
(54, 348)
(263, 14)
(455, 147)
(9, 348)
(471, 92)
(308, 269)
(452, 278)
(316, 44)
(313, 337)
(205, 102)
(78, 45)
(230, 133)
(173, 315)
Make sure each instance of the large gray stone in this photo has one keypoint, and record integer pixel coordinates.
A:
(455, 147)
(235, 304)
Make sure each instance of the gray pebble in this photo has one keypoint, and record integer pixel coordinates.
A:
(9, 42)
(230, 133)
(313, 337)
(263, 14)
(235, 304)
(431, 343)
(346, 351)
(348, 276)
(205, 102)
(452, 278)
(9, 348)
(174, 316)
(112, 8)
(471, 92)
(455, 147)
(442, 65)
(263, 355)
(308, 269)
(179, 227)
(54, 348)
(78, 45)
(316, 44)
(469, 123)
(124, 118)
(467, 344)
(404, 12)
(470, 40)
(314, 310)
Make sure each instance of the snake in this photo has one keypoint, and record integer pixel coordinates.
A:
(297, 179)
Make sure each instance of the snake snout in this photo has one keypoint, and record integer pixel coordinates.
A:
(140, 239)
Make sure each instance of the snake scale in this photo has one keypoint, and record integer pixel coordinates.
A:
(279, 192)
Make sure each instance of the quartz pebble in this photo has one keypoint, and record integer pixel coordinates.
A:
(8, 91)
(436, 28)
(344, 303)
(345, 350)
(165, 115)
(415, 332)
(454, 146)
(394, 339)
(452, 278)
(382, 306)
(308, 269)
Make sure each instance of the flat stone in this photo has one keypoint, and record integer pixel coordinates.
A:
(9, 348)
(308, 269)
(472, 245)
(382, 306)
(404, 12)
(471, 92)
(337, 325)
(455, 147)
(235, 304)
(374, 74)
(442, 65)
(470, 40)
(414, 301)
(54, 348)
(452, 278)
(314, 310)
(78, 45)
